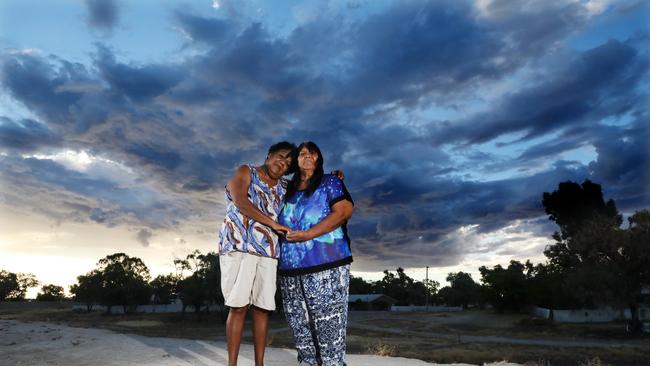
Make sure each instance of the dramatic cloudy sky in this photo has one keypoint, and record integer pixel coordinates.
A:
(121, 121)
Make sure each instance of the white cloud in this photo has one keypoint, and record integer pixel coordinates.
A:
(596, 7)
(92, 165)
(26, 51)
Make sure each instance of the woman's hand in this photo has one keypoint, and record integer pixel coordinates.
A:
(299, 235)
(280, 229)
(339, 174)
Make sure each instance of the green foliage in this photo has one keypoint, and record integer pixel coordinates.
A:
(51, 293)
(14, 286)
(164, 288)
(397, 285)
(600, 262)
(507, 288)
(404, 289)
(203, 285)
(8, 285)
(462, 290)
(125, 281)
(89, 288)
(633, 264)
(359, 286)
(572, 205)
(548, 287)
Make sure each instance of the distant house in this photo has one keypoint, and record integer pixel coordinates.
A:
(370, 302)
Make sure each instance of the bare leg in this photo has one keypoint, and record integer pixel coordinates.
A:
(234, 328)
(260, 331)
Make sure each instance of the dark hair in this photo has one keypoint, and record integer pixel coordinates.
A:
(283, 145)
(315, 179)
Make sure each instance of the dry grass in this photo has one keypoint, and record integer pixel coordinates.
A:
(382, 349)
(593, 362)
(140, 323)
(378, 342)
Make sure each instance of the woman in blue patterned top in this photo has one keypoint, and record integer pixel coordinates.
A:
(315, 259)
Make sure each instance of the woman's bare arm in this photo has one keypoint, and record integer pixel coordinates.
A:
(341, 213)
(238, 188)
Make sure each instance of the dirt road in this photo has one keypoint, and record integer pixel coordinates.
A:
(50, 344)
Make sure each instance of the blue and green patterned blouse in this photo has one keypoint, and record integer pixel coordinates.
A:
(301, 213)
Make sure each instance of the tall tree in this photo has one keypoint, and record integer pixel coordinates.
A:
(602, 262)
(163, 287)
(396, 285)
(588, 225)
(463, 291)
(359, 286)
(571, 207)
(203, 285)
(51, 293)
(211, 272)
(573, 204)
(549, 289)
(126, 281)
(8, 285)
(14, 286)
(507, 288)
(633, 264)
(89, 288)
(431, 288)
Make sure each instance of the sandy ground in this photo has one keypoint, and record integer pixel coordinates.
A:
(50, 344)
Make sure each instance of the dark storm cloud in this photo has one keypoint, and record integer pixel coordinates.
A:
(532, 26)
(199, 29)
(25, 135)
(418, 47)
(551, 148)
(33, 81)
(596, 84)
(102, 14)
(84, 197)
(354, 87)
(66, 95)
(156, 156)
(398, 56)
(416, 231)
(623, 163)
(137, 83)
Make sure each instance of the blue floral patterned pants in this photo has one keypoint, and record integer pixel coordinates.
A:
(316, 307)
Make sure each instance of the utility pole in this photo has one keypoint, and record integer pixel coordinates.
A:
(426, 288)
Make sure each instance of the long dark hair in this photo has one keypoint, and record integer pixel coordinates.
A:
(315, 179)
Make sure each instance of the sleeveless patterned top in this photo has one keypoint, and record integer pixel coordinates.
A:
(242, 234)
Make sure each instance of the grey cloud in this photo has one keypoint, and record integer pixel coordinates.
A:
(143, 237)
(349, 86)
(596, 84)
(208, 30)
(138, 83)
(102, 14)
(26, 135)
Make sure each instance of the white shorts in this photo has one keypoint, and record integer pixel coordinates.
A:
(248, 279)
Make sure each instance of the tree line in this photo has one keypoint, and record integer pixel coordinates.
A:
(121, 280)
(594, 260)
